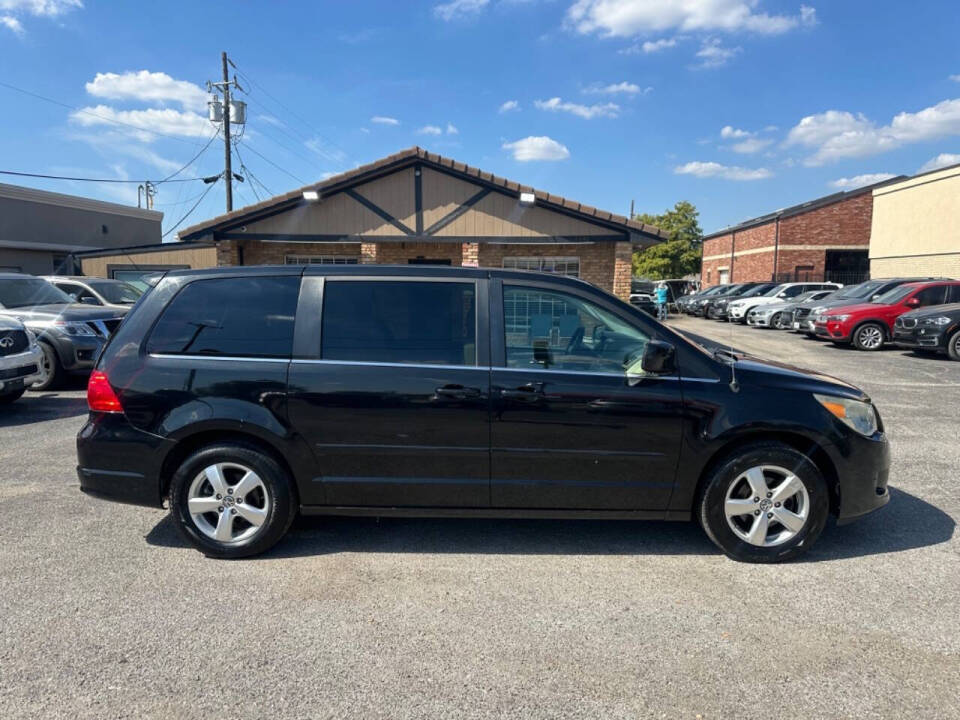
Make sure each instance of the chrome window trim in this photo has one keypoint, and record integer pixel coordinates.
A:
(579, 372)
(374, 363)
(235, 358)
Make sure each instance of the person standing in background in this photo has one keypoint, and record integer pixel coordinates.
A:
(661, 301)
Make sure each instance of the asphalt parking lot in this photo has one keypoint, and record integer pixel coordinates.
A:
(106, 612)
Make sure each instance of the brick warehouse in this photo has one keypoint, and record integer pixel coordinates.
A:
(412, 207)
(823, 239)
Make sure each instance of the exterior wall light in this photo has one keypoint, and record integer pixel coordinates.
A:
(527, 198)
(311, 195)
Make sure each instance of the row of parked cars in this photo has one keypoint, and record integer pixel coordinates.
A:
(922, 314)
(52, 327)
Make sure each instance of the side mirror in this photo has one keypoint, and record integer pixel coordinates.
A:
(658, 359)
(913, 302)
(89, 300)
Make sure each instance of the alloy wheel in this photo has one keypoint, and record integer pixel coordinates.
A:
(870, 337)
(228, 502)
(766, 505)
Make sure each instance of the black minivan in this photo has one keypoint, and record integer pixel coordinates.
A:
(243, 396)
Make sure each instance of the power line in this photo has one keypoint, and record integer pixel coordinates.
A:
(98, 180)
(192, 160)
(189, 212)
(271, 162)
(97, 115)
(249, 173)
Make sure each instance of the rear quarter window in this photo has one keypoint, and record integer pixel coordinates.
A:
(242, 317)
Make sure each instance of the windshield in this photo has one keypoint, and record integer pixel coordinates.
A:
(18, 293)
(118, 293)
(894, 296)
(772, 292)
(862, 290)
(758, 290)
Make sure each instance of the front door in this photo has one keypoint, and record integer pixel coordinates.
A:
(391, 390)
(569, 431)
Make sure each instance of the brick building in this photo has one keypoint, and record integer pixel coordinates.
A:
(824, 239)
(420, 208)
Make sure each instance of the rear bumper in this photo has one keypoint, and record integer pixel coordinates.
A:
(116, 461)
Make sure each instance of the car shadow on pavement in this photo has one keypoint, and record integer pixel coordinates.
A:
(39, 407)
(906, 523)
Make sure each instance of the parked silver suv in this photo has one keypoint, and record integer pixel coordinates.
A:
(20, 359)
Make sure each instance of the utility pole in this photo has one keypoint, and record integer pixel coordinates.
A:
(227, 170)
(221, 113)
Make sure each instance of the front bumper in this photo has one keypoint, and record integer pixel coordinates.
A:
(77, 353)
(118, 462)
(863, 469)
(757, 320)
(920, 338)
(831, 331)
(20, 370)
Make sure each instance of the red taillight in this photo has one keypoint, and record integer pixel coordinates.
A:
(100, 395)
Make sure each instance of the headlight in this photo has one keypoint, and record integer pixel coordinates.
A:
(837, 318)
(817, 310)
(942, 320)
(70, 328)
(860, 416)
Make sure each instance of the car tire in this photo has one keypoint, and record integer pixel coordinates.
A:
(11, 397)
(869, 337)
(756, 535)
(953, 346)
(217, 479)
(776, 321)
(52, 369)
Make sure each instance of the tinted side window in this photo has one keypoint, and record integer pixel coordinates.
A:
(935, 295)
(400, 322)
(953, 294)
(794, 291)
(559, 331)
(250, 316)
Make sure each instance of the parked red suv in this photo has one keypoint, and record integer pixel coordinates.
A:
(869, 325)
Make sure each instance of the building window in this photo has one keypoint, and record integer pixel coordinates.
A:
(322, 259)
(559, 265)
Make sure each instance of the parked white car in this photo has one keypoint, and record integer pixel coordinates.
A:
(20, 359)
(99, 292)
(737, 310)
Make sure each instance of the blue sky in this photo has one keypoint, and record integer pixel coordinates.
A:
(740, 106)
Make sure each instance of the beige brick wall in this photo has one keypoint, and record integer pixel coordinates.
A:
(917, 265)
(400, 253)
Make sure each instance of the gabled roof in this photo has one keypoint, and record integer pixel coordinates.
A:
(803, 207)
(408, 158)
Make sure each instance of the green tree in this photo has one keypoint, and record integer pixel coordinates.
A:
(680, 254)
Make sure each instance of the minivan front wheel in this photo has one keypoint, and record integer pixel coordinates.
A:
(766, 502)
(232, 500)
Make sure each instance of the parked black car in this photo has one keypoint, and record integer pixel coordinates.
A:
(242, 396)
(932, 329)
(717, 307)
(686, 303)
(70, 335)
(864, 292)
(700, 306)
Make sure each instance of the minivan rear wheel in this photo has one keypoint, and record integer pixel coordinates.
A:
(766, 502)
(232, 500)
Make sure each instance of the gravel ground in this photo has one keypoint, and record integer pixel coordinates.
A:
(106, 613)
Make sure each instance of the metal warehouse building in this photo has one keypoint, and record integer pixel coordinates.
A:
(823, 239)
(40, 230)
(411, 207)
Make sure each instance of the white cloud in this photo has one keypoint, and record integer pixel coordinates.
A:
(430, 130)
(713, 54)
(727, 172)
(624, 18)
(940, 161)
(955, 78)
(13, 10)
(158, 120)
(271, 120)
(146, 86)
(383, 120)
(655, 46)
(858, 181)
(320, 147)
(588, 112)
(731, 133)
(626, 88)
(11, 23)
(456, 9)
(509, 106)
(452, 129)
(837, 134)
(537, 148)
(751, 145)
